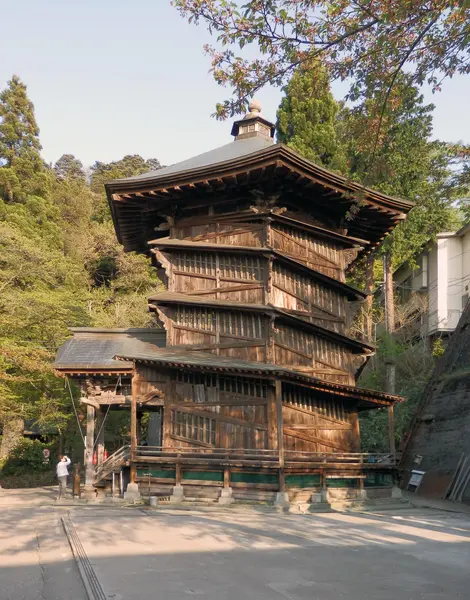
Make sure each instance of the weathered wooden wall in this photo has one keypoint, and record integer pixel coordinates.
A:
(319, 254)
(313, 423)
(209, 410)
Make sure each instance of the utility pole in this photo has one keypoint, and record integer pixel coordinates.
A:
(390, 383)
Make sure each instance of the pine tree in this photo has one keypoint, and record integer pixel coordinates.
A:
(69, 167)
(22, 170)
(306, 119)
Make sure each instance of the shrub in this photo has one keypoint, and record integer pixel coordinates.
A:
(29, 480)
(27, 458)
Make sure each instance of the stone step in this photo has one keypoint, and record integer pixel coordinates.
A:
(371, 505)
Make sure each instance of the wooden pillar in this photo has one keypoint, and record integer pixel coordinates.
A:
(166, 417)
(100, 440)
(133, 438)
(271, 410)
(226, 477)
(90, 441)
(391, 429)
(280, 436)
(356, 442)
(139, 428)
(178, 473)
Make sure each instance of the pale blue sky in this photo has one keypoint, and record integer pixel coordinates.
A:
(116, 77)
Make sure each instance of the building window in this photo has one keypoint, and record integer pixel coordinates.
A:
(193, 427)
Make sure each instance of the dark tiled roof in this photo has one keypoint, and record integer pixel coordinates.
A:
(91, 348)
(180, 358)
(222, 154)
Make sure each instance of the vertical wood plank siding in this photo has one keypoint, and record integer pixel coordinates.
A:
(231, 412)
(219, 275)
(313, 423)
(312, 354)
(321, 255)
(298, 292)
(236, 234)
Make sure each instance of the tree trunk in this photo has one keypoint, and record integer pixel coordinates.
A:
(13, 430)
(389, 296)
(369, 302)
(390, 385)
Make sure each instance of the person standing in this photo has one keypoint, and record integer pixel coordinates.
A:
(62, 474)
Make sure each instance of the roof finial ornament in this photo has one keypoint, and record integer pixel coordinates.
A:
(253, 124)
(254, 109)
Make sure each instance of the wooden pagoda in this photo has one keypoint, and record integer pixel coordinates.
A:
(253, 389)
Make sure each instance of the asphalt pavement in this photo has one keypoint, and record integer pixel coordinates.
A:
(138, 554)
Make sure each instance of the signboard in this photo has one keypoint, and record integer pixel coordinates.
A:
(415, 479)
(46, 452)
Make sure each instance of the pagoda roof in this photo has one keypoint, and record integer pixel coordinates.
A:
(179, 298)
(245, 163)
(349, 291)
(205, 361)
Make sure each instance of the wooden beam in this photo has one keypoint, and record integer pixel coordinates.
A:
(90, 442)
(280, 435)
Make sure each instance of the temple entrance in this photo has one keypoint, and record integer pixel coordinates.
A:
(154, 432)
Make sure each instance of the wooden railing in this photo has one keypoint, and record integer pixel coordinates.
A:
(112, 463)
(242, 457)
(255, 455)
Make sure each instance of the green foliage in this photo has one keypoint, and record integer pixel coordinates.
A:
(306, 119)
(366, 43)
(101, 172)
(413, 364)
(438, 348)
(60, 266)
(28, 457)
(68, 168)
(23, 170)
(403, 162)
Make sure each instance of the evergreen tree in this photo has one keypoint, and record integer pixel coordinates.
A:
(69, 167)
(22, 170)
(403, 162)
(306, 119)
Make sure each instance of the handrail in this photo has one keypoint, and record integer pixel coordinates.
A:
(263, 454)
(115, 460)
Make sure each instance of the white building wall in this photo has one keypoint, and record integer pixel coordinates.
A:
(466, 263)
(454, 283)
(432, 290)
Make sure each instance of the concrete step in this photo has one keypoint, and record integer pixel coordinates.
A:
(371, 505)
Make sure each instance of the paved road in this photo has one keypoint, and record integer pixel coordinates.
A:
(412, 554)
(172, 555)
(36, 562)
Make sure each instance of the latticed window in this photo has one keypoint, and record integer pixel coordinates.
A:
(307, 399)
(196, 262)
(236, 324)
(193, 427)
(241, 324)
(239, 385)
(196, 318)
(208, 380)
(240, 267)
